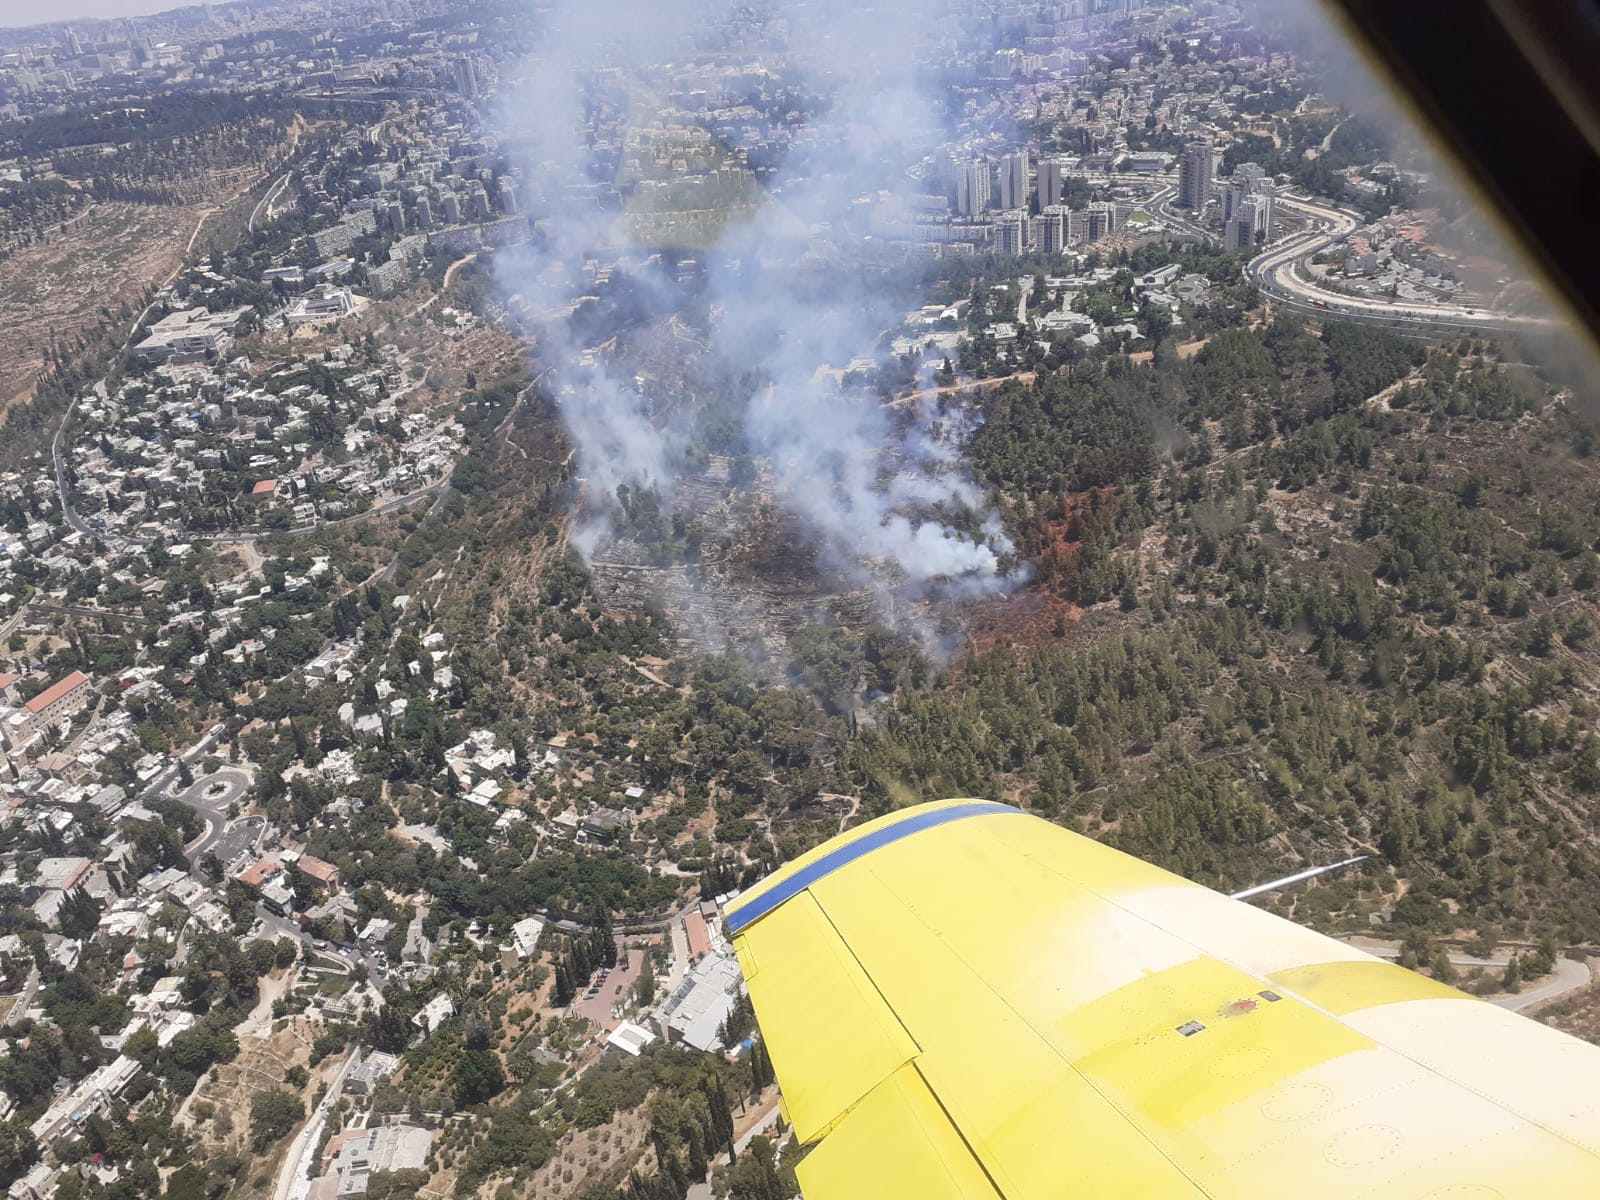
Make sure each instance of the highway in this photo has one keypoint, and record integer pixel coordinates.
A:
(1275, 272)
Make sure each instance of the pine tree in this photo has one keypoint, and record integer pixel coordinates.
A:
(679, 1176)
(1512, 980)
(698, 1161)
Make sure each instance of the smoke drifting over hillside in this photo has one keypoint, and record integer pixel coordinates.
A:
(883, 496)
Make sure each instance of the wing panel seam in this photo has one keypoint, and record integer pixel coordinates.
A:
(1130, 1119)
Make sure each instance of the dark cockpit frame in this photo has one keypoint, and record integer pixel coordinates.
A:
(1511, 88)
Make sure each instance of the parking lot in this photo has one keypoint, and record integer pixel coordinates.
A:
(239, 838)
(616, 986)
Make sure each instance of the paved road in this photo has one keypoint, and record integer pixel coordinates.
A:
(265, 202)
(388, 573)
(345, 957)
(436, 489)
(1163, 204)
(24, 1000)
(293, 1178)
(680, 957)
(238, 840)
(56, 457)
(764, 1123)
(214, 809)
(1275, 272)
(13, 621)
(1568, 976)
(211, 805)
(193, 754)
(84, 610)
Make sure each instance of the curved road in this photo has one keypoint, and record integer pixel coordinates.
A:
(265, 203)
(1275, 272)
(213, 806)
(1161, 203)
(1568, 976)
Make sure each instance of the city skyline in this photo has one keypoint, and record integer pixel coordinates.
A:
(91, 10)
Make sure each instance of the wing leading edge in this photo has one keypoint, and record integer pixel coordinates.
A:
(963, 1001)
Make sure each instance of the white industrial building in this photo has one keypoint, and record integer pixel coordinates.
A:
(695, 1012)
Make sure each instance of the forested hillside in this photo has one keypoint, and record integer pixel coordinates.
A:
(1313, 591)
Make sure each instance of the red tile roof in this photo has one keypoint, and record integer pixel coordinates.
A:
(322, 872)
(257, 875)
(699, 938)
(55, 692)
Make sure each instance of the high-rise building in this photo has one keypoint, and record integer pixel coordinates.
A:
(424, 213)
(1011, 232)
(466, 77)
(1052, 229)
(1052, 182)
(1100, 218)
(506, 195)
(1248, 180)
(397, 217)
(74, 46)
(1250, 223)
(1014, 181)
(451, 204)
(972, 188)
(1194, 175)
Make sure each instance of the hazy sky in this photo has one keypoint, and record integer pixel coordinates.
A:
(20, 13)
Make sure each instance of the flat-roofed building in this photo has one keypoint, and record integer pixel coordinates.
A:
(695, 1012)
(189, 335)
(525, 936)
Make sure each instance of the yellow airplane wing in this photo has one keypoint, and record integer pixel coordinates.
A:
(962, 1000)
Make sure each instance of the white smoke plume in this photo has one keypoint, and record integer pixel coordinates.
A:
(878, 488)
